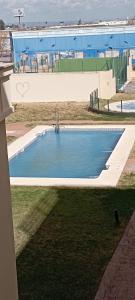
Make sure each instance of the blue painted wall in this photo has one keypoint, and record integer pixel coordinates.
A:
(91, 45)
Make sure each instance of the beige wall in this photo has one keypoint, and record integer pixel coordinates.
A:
(54, 87)
(107, 84)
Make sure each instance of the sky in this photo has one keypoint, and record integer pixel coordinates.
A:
(66, 10)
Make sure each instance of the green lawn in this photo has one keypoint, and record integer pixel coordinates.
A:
(127, 180)
(71, 236)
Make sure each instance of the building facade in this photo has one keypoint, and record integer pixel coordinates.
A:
(49, 45)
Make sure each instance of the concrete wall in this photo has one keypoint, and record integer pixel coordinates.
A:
(54, 87)
(107, 84)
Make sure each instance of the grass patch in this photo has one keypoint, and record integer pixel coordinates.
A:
(30, 207)
(67, 253)
(127, 180)
(40, 113)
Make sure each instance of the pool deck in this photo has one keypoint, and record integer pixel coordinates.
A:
(108, 177)
(17, 129)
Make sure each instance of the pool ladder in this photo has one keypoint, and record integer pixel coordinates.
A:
(57, 125)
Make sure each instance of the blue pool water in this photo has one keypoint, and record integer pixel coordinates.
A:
(68, 154)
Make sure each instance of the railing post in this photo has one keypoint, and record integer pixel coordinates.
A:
(121, 105)
(98, 103)
(108, 105)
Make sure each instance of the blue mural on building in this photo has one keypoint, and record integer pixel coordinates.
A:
(49, 45)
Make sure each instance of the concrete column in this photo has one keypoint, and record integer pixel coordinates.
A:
(8, 280)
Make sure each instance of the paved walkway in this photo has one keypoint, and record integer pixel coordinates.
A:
(16, 129)
(118, 282)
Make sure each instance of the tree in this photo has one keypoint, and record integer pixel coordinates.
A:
(2, 24)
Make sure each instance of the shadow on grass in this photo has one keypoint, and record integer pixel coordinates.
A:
(66, 257)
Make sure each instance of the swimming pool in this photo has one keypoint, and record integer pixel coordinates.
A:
(74, 156)
(127, 106)
(67, 154)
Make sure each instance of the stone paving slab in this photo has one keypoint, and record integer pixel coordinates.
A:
(118, 282)
(16, 129)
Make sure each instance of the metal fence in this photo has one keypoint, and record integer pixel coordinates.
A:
(94, 100)
(104, 106)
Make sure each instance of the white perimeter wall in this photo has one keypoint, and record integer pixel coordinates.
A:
(54, 87)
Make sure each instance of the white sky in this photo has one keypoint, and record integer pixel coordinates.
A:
(63, 10)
